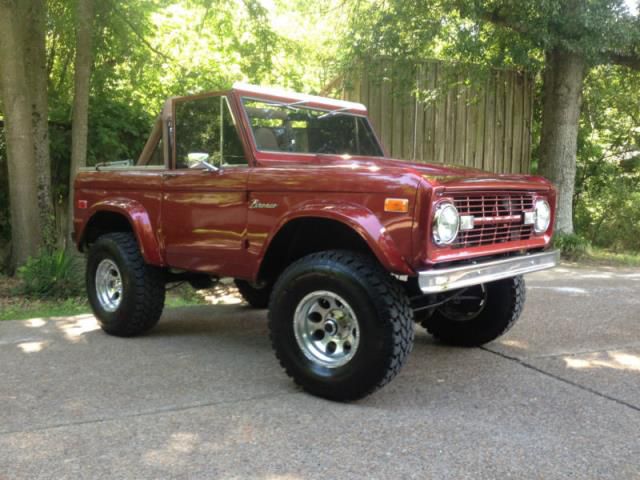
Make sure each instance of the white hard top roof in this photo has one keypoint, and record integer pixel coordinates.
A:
(249, 89)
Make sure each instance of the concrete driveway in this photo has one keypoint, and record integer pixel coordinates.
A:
(203, 397)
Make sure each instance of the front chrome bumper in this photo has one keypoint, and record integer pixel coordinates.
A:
(450, 278)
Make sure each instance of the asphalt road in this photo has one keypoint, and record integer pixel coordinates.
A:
(203, 397)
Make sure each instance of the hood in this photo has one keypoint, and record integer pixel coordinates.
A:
(449, 176)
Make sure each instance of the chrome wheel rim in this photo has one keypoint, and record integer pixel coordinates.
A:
(326, 329)
(108, 285)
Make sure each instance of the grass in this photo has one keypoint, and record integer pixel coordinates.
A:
(23, 309)
(601, 256)
(14, 306)
(577, 249)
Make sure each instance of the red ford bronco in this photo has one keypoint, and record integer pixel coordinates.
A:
(293, 197)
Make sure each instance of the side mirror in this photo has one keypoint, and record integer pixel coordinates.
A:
(208, 166)
(197, 159)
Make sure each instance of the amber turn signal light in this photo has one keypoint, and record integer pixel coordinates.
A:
(398, 205)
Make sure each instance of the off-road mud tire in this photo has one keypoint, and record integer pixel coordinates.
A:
(143, 292)
(504, 303)
(382, 309)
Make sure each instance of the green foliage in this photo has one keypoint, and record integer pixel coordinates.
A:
(498, 33)
(572, 246)
(60, 152)
(519, 33)
(148, 50)
(607, 198)
(55, 274)
(608, 205)
(118, 130)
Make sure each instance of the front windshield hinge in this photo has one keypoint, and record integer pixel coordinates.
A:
(334, 112)
(292, 104)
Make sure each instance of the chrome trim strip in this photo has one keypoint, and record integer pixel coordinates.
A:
(498, 219)
(443, 279)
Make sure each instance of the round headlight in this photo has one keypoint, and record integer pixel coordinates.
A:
(543, 216)
(446, 223)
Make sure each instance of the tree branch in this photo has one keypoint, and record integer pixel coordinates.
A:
(496, 18)
(333, 84)
(493, 16)
(140, 35)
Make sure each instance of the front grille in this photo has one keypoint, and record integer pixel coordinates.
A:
(498, 217)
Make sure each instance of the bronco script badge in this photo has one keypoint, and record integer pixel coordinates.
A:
(255, 203)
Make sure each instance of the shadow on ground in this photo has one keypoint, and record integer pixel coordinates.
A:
(202, 396)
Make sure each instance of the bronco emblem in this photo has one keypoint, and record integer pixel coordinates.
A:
(255, 203)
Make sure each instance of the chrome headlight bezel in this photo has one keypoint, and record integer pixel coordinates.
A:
(542, 220)
(442, 212)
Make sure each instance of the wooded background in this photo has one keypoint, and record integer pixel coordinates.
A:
(485, 124)
(101, 70)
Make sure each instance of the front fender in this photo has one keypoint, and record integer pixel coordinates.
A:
(140, 222)
(361, 220)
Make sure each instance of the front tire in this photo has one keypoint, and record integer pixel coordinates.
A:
(126, 295)
(480, 314)
(340, 325)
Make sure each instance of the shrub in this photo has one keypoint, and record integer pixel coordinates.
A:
(52, 274)
(572, 246)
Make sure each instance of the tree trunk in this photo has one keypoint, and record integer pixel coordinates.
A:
(82, 77)
(26, 235)
(36, 66)
(562, 97)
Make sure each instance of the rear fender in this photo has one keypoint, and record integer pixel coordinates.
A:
(140, 222)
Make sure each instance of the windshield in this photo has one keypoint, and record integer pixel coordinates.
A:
(293, 127)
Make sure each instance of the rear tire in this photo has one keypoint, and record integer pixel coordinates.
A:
(467, 325)
(257, 297)
(340, 325)
(126, 295)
